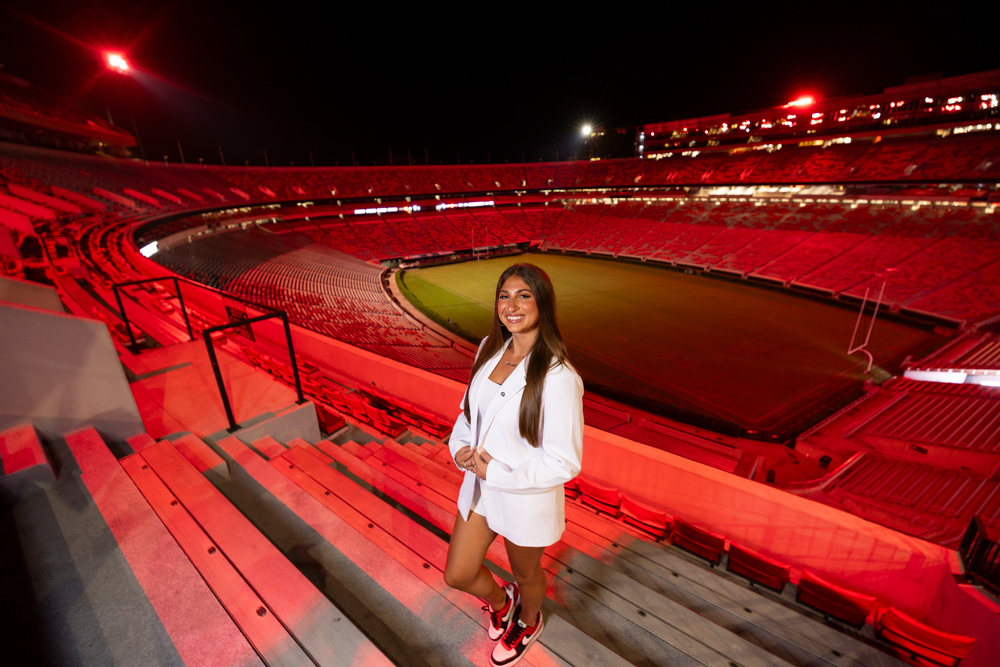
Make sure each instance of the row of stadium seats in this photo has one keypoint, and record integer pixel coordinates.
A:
(954, 158)
(926, 501)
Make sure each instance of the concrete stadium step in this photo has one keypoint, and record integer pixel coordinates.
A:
(198, 625)
(420, 607)
(810, 643)
(419, 458)
(669, 628)
(285, 617)
(94, 554)
(623, 637)
(573, 648)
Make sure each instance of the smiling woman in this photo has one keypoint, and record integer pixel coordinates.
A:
(519, 438)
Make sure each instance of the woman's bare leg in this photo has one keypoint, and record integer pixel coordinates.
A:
(526, 566)
(465, 569)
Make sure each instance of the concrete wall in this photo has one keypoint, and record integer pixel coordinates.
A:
(61, 373)
(27, 293)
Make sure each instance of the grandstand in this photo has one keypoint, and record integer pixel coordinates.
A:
(244, 503)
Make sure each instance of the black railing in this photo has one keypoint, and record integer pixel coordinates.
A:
(207, 333)
(980, 554)
(121, 306)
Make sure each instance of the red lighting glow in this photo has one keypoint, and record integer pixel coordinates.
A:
(804, 101)
(116, 62)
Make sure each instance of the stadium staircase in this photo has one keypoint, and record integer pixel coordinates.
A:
(332, 553)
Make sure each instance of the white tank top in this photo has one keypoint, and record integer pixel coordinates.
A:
(489, 391)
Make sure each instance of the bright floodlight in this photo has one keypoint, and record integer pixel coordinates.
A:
(585, 130)
(117, 62)
(801, 102)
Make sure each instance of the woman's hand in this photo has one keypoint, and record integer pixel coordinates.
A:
(481, 459)
(464, 458)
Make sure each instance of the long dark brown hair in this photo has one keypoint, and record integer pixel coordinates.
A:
(547, 351)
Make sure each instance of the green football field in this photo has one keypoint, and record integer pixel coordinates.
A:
(677, 343)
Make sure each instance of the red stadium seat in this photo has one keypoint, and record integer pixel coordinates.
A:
(758, 568)
(698, 541)
(602, 499)
(917, 643)
(833, 601)
(329, 420)
(650, 520)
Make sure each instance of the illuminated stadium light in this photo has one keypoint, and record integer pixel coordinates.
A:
(116, 62)
(586, 130)
(149, 249)
(379, 210)
(974, 128)
(464, 204)
(988, 101)
(804, 101)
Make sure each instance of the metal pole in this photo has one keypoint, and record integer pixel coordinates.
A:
(291, 356)
(218, 378)
(181, 151)
(135, 128)
(222, 157)
(184, 311)
(266, 163)
(875, 314)
(121, 309)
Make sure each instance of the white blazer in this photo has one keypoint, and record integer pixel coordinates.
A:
(522, 497)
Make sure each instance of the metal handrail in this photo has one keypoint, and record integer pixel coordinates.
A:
(121, 306)
(207, 333)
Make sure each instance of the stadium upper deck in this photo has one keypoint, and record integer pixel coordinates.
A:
(926, 106)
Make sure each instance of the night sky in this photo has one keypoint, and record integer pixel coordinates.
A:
(485, 81)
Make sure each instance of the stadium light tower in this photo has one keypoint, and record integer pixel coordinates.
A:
(586, 130)
(116, 62)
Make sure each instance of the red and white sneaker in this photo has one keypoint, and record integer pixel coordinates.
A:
(501, 618)
(515, 642)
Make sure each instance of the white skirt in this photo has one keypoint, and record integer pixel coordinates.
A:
(526, 519)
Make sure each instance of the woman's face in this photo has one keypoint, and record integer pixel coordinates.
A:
(516, 306)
